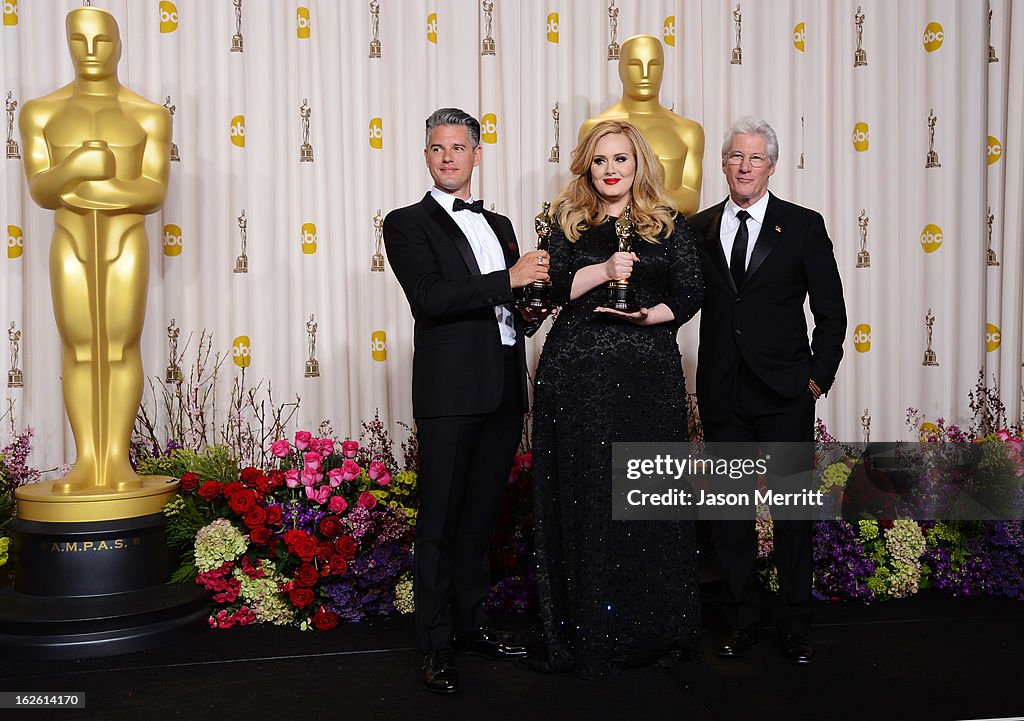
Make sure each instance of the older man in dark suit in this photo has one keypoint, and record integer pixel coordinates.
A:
(758, 377)
(458, 265)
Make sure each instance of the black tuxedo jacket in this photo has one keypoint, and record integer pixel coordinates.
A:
(457, 362)
(764, 323)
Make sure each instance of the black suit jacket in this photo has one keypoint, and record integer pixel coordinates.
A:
(764, 324)
(457, 362)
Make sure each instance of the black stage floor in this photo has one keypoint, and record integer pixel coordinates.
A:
(927, 658)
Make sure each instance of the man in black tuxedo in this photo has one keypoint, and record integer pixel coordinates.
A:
(757, 376)
(458, 265)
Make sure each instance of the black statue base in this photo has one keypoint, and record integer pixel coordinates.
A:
(537, 295)
(97, 588)
(621, 297)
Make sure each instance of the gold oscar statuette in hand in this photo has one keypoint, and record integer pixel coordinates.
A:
(538, 293)
(98, 155)
(620, 292)
(678, 142)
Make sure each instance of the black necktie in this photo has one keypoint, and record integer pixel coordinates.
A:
(738, 260)
(477, 206)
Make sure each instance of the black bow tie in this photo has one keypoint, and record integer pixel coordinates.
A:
(477, 206)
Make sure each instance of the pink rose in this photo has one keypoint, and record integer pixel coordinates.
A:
(302, 439)
(1003, 435)
(326, 446)
(349, 448)
(384, 480)
(376, 470)
(318, 495)
(337, 504)
(350, 470)
(367, 500)
(312, 460)
(310, 478)
(335, 477)
(280, 448)
(291, 478)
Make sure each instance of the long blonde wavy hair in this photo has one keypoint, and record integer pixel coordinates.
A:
(579, 206)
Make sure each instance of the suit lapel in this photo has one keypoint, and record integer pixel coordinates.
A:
(508, 245)
(713, 239)
(452, 230)
(767, 239)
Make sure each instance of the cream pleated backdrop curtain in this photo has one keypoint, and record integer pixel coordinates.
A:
(855, 143)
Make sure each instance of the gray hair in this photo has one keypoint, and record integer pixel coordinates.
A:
(752, 126)
(454, 116)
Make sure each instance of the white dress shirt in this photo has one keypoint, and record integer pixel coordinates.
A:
(730, 224)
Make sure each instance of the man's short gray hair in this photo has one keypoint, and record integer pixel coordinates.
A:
(454, 116)
(752, 126)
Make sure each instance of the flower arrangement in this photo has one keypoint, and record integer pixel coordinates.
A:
(14, 473)
(514, 588)
(322, 536)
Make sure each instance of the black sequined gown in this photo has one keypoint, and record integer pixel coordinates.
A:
(612, 593)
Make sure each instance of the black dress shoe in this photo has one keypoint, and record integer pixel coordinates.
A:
(736, 643)
(439, 674)
(798, 649)
(486, 642)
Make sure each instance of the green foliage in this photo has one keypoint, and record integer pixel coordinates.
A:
(175, 465)
(216, 464)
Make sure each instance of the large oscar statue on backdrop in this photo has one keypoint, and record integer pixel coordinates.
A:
(91, 558)
(678, 142)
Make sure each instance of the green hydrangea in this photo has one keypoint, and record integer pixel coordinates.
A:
(263, 597)
(5, 544)
(835, 475)
(878, 584)
(217, 544)
(905, 579)
(868, 530)
(403, 594)
(904, 541)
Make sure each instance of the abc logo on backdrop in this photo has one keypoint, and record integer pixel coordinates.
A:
(931, 238)
(10, 12)
(302, 22)
(238, 131)
(933, 37)
(668, 30)
(241, 351)
(376, 133)
(489, 128)
(862, 338)
(379, 346)
(172, 240)
(432, 28)
(552, 27)
(860, 137)
(798, 37)
(995, 150)
(15, 242)
(308, 238)
(168, 17)
(993, 337)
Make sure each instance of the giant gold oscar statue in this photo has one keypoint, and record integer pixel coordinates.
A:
(98, 155)
(678, 142)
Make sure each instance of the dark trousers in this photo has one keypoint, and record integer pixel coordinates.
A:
(762, 415)
(464, 467)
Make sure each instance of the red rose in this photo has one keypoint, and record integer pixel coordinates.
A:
(273, 515)
(367, 500)
(325, 550)
(330, 526)
(249, 475)
(294, 536)
(232, 488)
(337, 565)
(306, 548)
(254, 517)
(210, 490)
(323, 620)
(300, 597)
(262, 485)
(276, 479)
(346, 547)
(307, 575)
(189, 482)
(242, 500)
(260, 535)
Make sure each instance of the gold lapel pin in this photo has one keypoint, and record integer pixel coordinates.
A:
(778, 228)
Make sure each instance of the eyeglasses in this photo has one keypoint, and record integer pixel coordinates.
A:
(756, 161)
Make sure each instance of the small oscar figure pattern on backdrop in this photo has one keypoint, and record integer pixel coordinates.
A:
(737, 52)
(236, 40)
(242, 261)
(613, 31)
